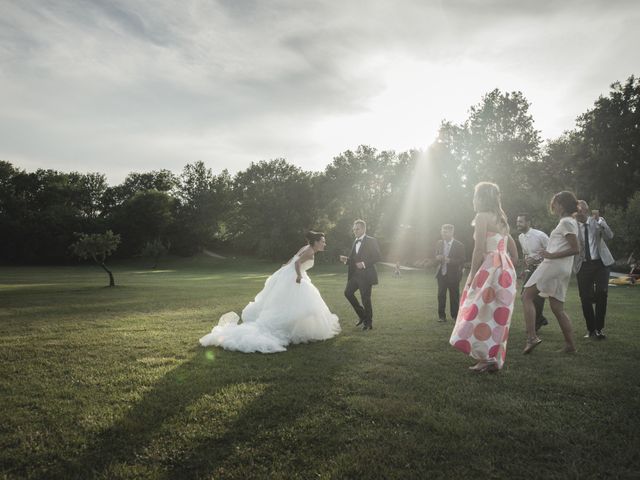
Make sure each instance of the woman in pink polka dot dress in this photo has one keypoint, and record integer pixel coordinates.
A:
(482, 327)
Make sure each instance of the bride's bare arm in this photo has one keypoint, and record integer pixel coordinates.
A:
(298, 253)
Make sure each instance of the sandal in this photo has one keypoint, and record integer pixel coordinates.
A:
(532, 343)
(482, 367)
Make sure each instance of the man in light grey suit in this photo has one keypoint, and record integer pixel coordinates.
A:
(592, 267)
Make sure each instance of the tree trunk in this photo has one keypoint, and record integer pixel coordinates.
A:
(112, 283)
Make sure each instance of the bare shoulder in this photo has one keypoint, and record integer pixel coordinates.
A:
(305, 252)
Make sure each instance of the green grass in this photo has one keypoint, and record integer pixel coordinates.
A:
(111, 383)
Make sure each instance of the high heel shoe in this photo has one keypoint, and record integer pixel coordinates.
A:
(532, 343)
(478, 367)
(482, 367)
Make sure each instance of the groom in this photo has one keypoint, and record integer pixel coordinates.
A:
(362, 276)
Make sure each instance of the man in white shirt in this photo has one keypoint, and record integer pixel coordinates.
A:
(532, 242)
(591, 266)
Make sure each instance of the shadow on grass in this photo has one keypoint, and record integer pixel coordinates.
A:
(294, 384)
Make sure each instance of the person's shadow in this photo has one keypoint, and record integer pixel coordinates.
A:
(281, 388)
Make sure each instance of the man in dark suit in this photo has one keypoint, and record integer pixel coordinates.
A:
(362, 275)
(450, 255)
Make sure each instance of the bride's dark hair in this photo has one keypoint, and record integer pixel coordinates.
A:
(312, 237)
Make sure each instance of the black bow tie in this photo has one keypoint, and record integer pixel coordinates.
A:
(358, 240)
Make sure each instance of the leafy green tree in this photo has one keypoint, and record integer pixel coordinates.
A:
(626, 228)
(159, 180)
(41, 210)
(155, 249)
(146, 216)
(274, 205)
(204, 203)
(608, 161)
(97, 246)
(560, 166)
(359, 184)
(499, 143)
(86, 192)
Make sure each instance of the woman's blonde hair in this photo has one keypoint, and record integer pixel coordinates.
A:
(487, 199)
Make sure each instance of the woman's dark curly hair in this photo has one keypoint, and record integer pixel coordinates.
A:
(567, 200)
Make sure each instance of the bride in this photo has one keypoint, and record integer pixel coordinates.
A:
(289, 309)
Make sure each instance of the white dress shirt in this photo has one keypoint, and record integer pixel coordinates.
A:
(533, 242)
(446, 248)
(593, 225)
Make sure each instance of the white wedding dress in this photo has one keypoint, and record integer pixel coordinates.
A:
(284, 312)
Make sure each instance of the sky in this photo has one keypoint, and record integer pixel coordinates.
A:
(138, 85)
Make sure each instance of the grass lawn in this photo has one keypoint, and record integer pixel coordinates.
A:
(101, 382)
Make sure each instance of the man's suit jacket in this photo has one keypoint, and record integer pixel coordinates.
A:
(456, 258)
(603, 232)
(369, 253)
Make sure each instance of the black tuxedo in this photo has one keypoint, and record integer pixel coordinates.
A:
(363, 279)
(451, 279)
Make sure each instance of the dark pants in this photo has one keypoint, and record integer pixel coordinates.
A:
(452, 284)
(364, 311)
(593, 285)
(538, 302)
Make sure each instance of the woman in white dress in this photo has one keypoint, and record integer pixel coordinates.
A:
(551, 278)
(289, 309)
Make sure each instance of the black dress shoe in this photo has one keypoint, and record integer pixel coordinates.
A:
(442, 319)
(543, 322)
(360, 322)
(367, 327)
(600, 335)
(590, 334)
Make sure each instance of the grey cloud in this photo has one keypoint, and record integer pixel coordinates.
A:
(137, 84)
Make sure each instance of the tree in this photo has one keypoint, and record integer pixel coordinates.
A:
(608, 161)
(155, 249)
(360, 184)
(87, 192)
(97, 246)
(40, 210)
(159, 180)
(146, 216)
(204, 202)
(274, 205)
(626, 229)
(497, 143)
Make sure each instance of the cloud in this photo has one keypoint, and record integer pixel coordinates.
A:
(120, 86)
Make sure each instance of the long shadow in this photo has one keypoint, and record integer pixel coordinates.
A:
(126, 440)
(303, 391)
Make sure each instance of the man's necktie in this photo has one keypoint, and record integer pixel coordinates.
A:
(587, 247)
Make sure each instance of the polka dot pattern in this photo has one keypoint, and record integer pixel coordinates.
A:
(484, 318)
(488, 295)
(480, 278)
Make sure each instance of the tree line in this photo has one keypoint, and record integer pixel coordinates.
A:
(405, 197)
